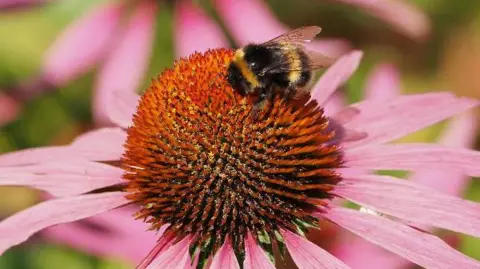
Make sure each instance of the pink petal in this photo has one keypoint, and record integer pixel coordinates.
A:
(383, 83)
(97, 243)
(36, 155)
(125, 237)
(126, 65)
(412, 202)
(308, 255)
(421, 248)
(262, 25)
(121, 221)
(358, 253)
(225, 258)
(175, 257)
(121, 106)
(414, 156)
(255, 257)
(80, 167)
(332, 47)
(9, 109)
(335, 76)
(345, 115)
(100, 145)
(19, 227)
(459, 133)
(386, 121)
(195, 30)
(405, 17)
(82, 44)
(58, 180)
(334, 104)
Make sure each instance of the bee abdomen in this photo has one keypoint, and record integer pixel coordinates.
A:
(305, 73)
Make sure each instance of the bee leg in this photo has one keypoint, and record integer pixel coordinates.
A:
(289, 93)
(258, 106)
(264, 95)
(257, 109)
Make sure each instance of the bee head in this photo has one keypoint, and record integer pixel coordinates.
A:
(257, 58)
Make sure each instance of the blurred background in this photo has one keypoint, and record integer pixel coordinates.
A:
(49, 91)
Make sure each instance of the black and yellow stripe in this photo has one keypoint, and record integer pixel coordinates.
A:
(242, 65)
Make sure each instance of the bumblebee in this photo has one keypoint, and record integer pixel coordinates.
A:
(278, 65)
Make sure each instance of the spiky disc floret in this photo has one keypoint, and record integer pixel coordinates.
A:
(197, 160)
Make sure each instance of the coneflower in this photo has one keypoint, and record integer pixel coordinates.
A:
(228, 189)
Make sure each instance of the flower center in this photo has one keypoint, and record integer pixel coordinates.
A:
(198, 161)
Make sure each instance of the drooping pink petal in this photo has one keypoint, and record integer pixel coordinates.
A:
(386, 121)
(255, 257)
(121, 106)
(36, 155)
(414, 156)
(335, 76)
(95, 242)
(459, 133)
(55, 179)
(383, 83)
(225, 258)
(101, 144)
(345, 115)
(334, 104)
(419, 247)
(116, 227)
(122, 220)
(308, 255)
(195, 30)
(405, 17)
(127, 63)
(412, 202)
(80, 167)
(19, 227)
(262, 25)
(359, 253)
(82, 44)
(58, 184)
(9, 109)
(373, 110)
(175, 257)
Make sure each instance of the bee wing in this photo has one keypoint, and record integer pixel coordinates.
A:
(299, 35)
(318, 60)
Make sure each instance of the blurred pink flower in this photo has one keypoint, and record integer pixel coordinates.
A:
(122, 47)
(19, 3)
(9, 109)
(401, 15)
(72, 172)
